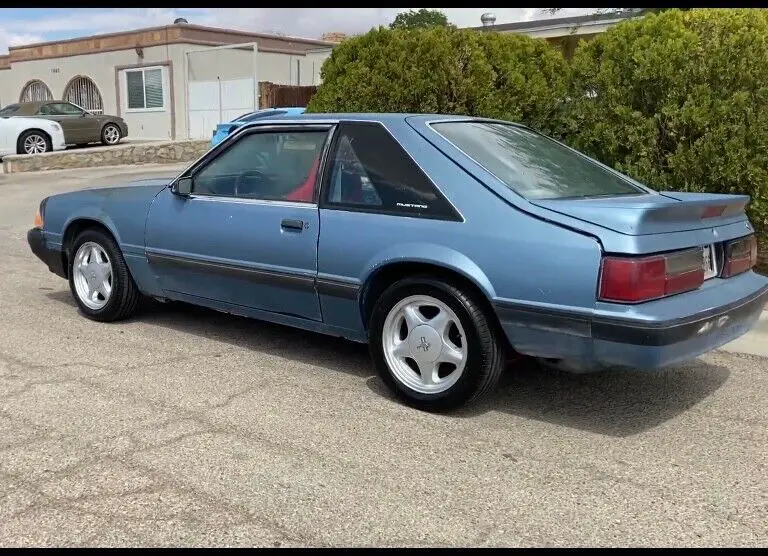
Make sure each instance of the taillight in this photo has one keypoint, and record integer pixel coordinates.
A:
(740, 256)
(636, 279)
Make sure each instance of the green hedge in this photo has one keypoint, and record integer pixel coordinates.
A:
(444, 70)
(677, 100)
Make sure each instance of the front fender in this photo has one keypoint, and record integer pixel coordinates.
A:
(96, 214)
(429, 253)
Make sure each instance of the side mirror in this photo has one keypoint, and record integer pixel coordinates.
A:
(183, 187)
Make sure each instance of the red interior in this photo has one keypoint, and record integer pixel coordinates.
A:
(351, 187)
(305, 193)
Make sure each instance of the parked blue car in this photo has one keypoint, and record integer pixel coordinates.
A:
(446, 243)
(223, 130)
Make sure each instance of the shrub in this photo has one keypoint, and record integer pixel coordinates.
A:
(444, 70)
(679, 101)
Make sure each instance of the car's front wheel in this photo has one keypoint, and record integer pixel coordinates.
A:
(99, 278)
(34, 142)
(433, 345)
(111, 135)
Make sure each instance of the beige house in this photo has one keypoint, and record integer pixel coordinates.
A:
(169, 82)
(565, 32)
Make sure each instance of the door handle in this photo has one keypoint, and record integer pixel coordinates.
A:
(292, 225)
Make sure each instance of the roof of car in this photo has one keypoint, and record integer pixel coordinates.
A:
(30, 107)
(372, 117)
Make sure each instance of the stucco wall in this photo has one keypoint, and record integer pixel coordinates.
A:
(171, 122)
(57, 72)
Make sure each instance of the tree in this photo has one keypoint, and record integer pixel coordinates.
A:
(678, 100)
(445, 70)
(419, 19)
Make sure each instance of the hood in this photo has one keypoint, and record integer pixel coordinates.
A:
(126, 192)
(124, 206)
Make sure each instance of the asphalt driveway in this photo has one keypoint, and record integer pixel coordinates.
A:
(188, 427)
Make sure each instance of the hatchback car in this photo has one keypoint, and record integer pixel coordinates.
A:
(444, 242)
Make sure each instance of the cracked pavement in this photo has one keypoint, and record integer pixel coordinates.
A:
(185, 427)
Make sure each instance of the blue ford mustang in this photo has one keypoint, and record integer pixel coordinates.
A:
(446, 243)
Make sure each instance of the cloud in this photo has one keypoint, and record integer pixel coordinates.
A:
(16, 39)
(25, 26)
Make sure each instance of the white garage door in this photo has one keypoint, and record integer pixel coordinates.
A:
(214, 102)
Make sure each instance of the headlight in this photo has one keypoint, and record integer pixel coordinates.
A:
(56, 126)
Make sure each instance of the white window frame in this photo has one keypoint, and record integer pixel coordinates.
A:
(143, 70)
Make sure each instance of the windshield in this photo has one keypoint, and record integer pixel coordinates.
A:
(533, 165)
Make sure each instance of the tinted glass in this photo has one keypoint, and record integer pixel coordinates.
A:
(533, 165)
(61, 109)
(10, 109)
(371, 171)
(271, 166)
(134, 82)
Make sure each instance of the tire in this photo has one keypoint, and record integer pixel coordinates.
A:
(33, 141)
(124, 296)
(483, 349)
(110, 134)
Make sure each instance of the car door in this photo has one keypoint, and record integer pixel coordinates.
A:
(92, 124)
(246, 233)
(73, 120)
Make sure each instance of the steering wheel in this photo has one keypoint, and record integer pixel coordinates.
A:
(258, 174)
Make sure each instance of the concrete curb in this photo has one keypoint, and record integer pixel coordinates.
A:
(160, 152)
(754, 342)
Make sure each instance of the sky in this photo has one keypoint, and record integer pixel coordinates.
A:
(20, 26)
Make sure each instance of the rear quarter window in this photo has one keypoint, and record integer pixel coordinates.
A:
(370, 172)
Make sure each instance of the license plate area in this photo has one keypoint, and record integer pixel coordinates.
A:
(710, 262)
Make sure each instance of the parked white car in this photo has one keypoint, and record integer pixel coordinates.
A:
(19, 135)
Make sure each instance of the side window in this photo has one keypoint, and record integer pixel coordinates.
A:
(70, 109)
(369, 171)
(62, 109)
(275, 165)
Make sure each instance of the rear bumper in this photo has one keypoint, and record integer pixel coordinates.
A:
(53, 258)
(123, 129)
(592, 342)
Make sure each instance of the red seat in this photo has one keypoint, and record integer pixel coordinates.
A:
(305, 193)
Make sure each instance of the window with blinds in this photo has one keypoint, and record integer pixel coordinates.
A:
(144, 88)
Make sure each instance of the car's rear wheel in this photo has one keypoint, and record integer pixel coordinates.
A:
(433, 345)
(99, 278)
(34, 142)
(111, 135)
